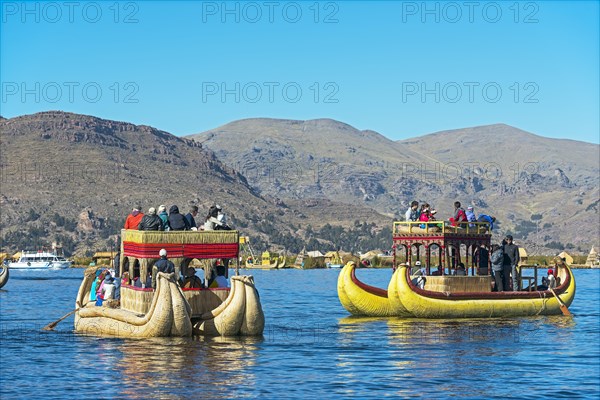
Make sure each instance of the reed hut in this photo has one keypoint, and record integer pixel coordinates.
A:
(523, 257)
(333, 257)
(592, 258)
(567, 257)
(103, 257)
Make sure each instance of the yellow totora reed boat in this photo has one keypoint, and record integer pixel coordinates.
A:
(426, 303)
(365, 300)
(450, 296)
(170, 310)
(3, 276)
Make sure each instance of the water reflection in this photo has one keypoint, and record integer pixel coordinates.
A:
(438, 352)
(172, 367)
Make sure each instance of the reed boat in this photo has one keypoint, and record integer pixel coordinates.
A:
(3, 276)
(169, 310)
(251, 265)
(168, 313)
(472, 297)
(266, 262)
(450, 295)
(365, 300)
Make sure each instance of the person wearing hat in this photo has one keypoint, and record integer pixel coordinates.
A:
(95, 285)
(133, 220)
(213, 222)
(416, 268)
(151, 221)
(191, 280)
(162, 265)
(108, 291)
(164, 216)
(550, 280)
(221, 217)
(470, 216)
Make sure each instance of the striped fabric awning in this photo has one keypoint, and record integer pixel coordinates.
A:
(186, 244)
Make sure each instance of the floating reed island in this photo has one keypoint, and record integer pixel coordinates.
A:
(169, 309)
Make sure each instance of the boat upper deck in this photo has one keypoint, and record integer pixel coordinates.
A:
(185, 244)
(441, 231)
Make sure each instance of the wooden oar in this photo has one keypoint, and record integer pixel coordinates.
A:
(563, 306)
(52, 325)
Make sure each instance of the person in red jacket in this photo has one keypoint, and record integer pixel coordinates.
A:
(133, 220)
(460, 217)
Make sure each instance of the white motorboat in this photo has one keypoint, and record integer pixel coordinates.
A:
(40, 260)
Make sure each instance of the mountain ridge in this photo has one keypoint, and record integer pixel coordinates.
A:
(281, 181)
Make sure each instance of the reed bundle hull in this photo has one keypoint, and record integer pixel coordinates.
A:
(404, 299)
(364, 300)
(274, 265)
(4, 276)
(170, 313)
(428, 304)
(240, 314)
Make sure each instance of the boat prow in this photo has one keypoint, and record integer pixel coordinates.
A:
(274, 265)
(424, 303)
(169, 313)
(240, 314)
(365, 300)
(3, 276)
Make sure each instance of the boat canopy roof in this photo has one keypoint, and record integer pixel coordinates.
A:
(181, 244)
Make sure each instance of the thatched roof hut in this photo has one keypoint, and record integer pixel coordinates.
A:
(370, 254)
(523, 257)
(592, 258)
(103, 257)
(333, 257)
(567, 257)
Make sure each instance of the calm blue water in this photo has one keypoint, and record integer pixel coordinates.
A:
(311, 348)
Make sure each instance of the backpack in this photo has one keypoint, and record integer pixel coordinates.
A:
(497, 257)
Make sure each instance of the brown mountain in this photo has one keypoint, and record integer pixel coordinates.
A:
(544, 191)
(74, 178)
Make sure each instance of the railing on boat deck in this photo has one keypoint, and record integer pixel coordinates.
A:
(463, 284)
(403, 227)
(203, 300)
(138, 300)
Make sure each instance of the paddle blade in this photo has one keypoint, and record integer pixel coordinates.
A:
(50, 326)
(565, 310)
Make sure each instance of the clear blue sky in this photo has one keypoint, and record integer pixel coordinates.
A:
(400, 68)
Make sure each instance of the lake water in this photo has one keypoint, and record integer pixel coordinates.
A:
(311, 348)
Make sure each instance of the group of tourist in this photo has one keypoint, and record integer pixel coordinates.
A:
(460, 218)
(105, 287)
(175, 221)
